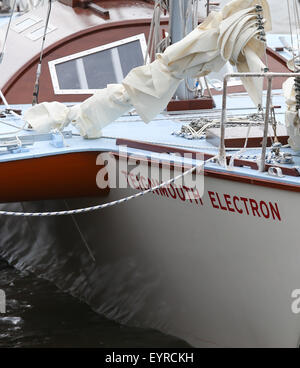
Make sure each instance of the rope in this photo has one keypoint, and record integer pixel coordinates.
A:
(233, 157)
(19, 129)
(290, 24)
(7, 105)
(1, 59)
(154, 33)
(86, 244)
(105, 205)
(296, 16)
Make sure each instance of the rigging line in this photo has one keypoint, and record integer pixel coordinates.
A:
(3, 51)
(188, 15)
(4, 100)
(7, 105)
(19, 129)
(183, 16)
(195, 13)
(156, 25)
(157, 29)
(297, 22)
(207, 8)
(80, 233)
(267, 67)
(291, 28)
(39, 67)
(234, 156)
(7, 31)
(149, 43)
(189, 19)
(151, 40)
(295, 8)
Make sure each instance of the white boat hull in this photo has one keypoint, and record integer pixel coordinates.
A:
(210, 276)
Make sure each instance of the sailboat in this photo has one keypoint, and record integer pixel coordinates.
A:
(187, 224)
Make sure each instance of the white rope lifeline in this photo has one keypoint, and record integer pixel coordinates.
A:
(100, 206)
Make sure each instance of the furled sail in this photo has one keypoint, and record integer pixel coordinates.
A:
(233, 35)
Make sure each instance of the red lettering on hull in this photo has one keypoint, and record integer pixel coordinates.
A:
(224, 202)
(242, 205)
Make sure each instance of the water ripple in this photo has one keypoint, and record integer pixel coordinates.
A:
(39, 315)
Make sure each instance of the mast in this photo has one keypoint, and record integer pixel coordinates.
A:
(183, 18)
(181, 23)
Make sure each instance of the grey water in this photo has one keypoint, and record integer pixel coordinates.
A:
(39, 315)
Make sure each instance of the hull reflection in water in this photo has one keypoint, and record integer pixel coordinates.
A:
(40, 315)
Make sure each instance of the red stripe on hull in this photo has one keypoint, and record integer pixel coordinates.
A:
(52, 177)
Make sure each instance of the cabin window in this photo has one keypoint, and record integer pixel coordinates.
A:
(90, 70)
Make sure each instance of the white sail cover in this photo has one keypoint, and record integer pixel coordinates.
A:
(230, 35)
